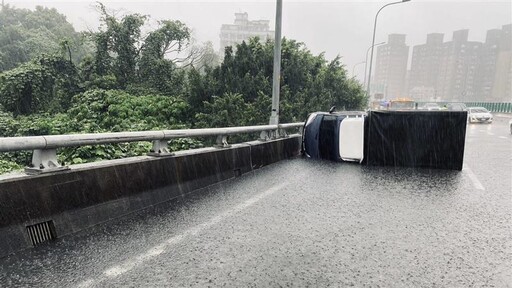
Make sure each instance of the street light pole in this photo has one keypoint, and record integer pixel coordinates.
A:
(366, 65)
(373, 40)
(274, 115)
(354, 67)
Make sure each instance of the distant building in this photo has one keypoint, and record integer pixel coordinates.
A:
(425, 65)
(458, 70)
(391, 67)
(424, 94)
(487, 66)
(455, 71)
(242, 30)
(501, 89)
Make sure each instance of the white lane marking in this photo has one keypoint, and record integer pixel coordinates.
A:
(503, 137)
(159, 249)
(490, 133)
(476, 183)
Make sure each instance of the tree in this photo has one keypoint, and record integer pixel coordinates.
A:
(308, 83)
(200, 89)
(121, 38)
(26, 34)
(227, 110)
(156, 71)
(45, 84)
(24, 90)
(208, 58)
(171, 37)
(138, 63)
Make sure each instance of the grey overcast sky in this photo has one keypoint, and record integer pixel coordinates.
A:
(335, 26)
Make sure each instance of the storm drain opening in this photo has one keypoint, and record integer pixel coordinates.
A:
(237, 172)
(41, 232)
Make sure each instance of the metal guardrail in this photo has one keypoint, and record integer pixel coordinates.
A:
(44, 157)
(495, 107)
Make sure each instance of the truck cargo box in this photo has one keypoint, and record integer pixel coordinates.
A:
(428, 139)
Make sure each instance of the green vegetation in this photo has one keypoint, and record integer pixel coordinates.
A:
(131, 82)
(25, 35)
(44, 84)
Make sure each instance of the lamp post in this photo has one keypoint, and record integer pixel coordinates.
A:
(373, 39)
(274, 115)
(355, 65)
(366, 65)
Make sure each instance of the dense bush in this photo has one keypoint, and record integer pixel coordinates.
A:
(97, 111)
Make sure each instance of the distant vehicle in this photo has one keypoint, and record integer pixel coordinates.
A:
(456, 107)
(431, 107)
(401, 104)
(379, 105)
(510, 125)
(479, 115)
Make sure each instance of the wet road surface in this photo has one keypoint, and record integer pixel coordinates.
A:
(306, 223)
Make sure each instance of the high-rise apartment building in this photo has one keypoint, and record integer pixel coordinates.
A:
(487, 66)
(502, 86)
(457, 78)
(391, 67)
(425, 65)
(455, 71)
(242, 30)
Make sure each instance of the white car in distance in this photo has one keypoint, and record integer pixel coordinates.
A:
(479, 115)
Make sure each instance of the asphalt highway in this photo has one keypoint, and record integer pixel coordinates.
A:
(304, 223)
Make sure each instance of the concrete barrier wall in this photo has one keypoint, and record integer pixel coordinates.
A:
(93, 193)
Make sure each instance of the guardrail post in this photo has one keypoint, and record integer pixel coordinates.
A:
(160, 149)
(269, 135)
(274, 134)
(222, 142)
(44, 161)
(264, 136)
(281, 133)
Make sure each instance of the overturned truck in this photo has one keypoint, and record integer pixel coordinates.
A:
(409, 138)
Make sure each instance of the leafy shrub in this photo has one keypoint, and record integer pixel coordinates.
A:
(8, 166)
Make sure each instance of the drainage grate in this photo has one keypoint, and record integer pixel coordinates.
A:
(41, 232)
